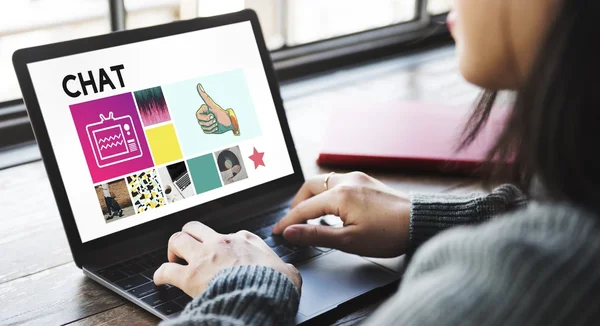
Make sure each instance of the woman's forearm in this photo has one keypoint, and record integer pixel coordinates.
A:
(243, 295)
(433, 213)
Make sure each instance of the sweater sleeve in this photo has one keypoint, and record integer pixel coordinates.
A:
(433, 213)
(243, 295)
(537, 266)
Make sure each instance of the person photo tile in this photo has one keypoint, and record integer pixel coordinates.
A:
(114, 200)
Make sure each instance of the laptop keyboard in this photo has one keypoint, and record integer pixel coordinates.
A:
(135, 275)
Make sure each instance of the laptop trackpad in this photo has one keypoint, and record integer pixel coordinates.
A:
(336, 278)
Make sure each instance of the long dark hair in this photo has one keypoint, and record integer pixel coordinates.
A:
(554, 125)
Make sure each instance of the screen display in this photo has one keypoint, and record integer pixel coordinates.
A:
(147, 129)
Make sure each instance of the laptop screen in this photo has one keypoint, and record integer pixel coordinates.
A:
(144, 130)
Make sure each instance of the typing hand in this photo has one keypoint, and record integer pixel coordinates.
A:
(376, 217)
(207, 252)
(212, 118)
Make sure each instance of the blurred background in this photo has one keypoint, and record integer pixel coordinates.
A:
(286, 23)
(304, 36)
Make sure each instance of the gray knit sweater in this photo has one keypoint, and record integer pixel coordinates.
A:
(536, 265)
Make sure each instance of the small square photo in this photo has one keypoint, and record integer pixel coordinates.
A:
(152, 106)
(176, 182)
(146, 191)
(114, 200)
(231, 165)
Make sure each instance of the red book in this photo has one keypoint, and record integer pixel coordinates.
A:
(410, 136)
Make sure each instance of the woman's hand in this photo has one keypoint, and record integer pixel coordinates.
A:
(376, 217)
(207, 252)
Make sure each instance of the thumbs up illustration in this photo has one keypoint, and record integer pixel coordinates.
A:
(213, 119)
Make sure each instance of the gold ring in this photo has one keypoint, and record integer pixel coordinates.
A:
(326, 183)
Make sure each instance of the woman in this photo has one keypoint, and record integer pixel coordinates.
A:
(111, 203)
(535, 263)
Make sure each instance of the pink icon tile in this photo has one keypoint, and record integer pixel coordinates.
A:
(111, 136)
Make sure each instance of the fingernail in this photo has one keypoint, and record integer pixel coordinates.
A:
(292, 234)
(201, 88)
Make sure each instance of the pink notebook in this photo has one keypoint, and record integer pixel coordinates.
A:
(411, 136)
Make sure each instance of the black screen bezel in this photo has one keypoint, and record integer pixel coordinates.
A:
(40, 53)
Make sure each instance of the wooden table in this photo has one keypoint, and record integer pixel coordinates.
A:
(40, 284)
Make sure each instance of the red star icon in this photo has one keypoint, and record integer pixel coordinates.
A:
(257, 158)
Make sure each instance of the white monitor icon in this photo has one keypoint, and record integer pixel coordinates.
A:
(113, 140)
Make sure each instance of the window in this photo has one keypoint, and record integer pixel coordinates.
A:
(34, 22)
(143, 13)
(314, 20)
(289, 23)
(437, 7)
(286, 23)
(307, 36)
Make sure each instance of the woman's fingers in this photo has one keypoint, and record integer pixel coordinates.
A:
(199, 231)
(313, 207)
(182, 245)
(315, 186)
(318, 235)
(170, 273)
(305, 192)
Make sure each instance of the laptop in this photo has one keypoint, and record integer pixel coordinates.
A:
(123, 109)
